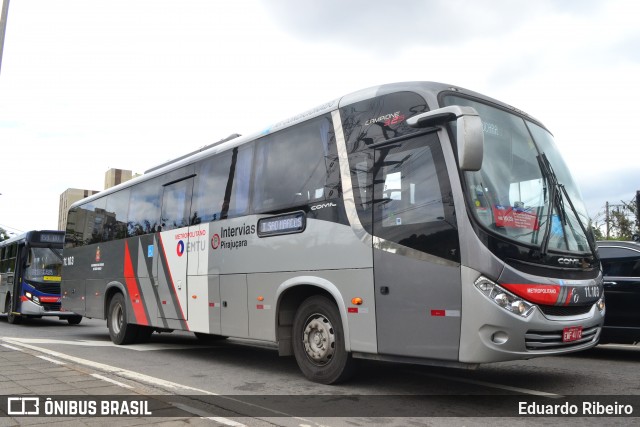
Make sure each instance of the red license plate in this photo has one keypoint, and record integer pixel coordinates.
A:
(573, 333)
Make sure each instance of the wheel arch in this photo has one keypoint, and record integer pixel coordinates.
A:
(290, 294)
(112, 289)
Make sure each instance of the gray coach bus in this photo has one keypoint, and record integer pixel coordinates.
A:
(410, 222)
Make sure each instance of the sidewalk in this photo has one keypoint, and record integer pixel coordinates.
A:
(24, 373)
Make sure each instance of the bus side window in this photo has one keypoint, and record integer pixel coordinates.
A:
(144, 208)
(221, 187)
(209, 188)
(88, 220)
(296, 166)
(115, 226)
(176, 204)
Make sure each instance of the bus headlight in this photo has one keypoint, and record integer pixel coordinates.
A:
(32, 297)
(601, 305)
(504, 298)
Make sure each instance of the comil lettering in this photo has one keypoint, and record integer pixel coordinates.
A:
(324, 205)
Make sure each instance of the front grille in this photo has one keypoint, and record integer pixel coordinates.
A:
(569, 310)
(47, 288)
(552, 340)
(51, 306)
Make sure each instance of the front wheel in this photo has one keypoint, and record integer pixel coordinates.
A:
(318, 342)
(120, 331)
(14, 319)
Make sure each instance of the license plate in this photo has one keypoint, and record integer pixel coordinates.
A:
(573, 333)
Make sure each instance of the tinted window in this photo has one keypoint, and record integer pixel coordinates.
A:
(221, 188)
(73, 236)
(92, 218)
(618, 261)
(296, 166)
(404, 189)
(381, 118)
(144, 208)
(176, 204)
(116, 215)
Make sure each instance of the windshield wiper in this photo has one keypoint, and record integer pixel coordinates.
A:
(557, 195)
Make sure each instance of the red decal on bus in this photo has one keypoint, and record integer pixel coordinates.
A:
(535, 293)
(438, 313)
(352, 309)
(132, 288)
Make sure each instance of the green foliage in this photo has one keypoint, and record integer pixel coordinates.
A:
(621, 222)
(4, 235)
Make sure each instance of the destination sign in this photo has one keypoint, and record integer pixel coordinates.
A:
(51, 238)
(282, 224)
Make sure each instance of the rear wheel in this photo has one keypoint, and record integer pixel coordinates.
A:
(318, 342)
(120, 331)
(14, 319)
(74, 320)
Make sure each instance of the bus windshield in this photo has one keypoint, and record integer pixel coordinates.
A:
(44, 265)
(524, 191)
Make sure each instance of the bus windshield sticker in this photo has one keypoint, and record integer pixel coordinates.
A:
(282, 224)
(510, 217)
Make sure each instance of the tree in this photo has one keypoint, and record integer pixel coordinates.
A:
(597, 233)
(4, 235)
(620, 222)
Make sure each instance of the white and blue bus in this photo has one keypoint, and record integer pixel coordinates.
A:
(30, 269)
(411, 222)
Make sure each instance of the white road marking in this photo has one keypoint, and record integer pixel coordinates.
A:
(492, 385)
(109, 380)
(11, 347)
(225, 421)
(138, 377)
(86, 343)
(48, 359)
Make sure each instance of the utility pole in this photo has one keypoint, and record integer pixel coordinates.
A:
(638, 207)
(3, 26)
(606, 219)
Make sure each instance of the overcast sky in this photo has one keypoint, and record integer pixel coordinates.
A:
(89, 85)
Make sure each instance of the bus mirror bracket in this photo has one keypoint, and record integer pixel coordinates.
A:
(469, 133)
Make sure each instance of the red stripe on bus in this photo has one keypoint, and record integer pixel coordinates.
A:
(438, 313)
(352, 309)
(567, 300)
(132, 289)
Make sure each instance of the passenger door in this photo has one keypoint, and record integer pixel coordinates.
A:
(416, 251)
(172, 268)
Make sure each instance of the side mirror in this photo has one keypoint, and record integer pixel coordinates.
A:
(469, 134)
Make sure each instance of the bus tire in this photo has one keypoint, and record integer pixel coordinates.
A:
(318, 342)
(120, 331)
(11, 316)
(74, 320)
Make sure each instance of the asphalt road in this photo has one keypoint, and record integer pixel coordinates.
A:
(249, 384)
